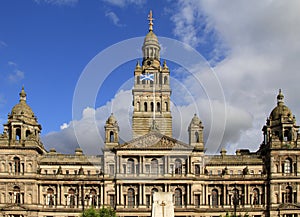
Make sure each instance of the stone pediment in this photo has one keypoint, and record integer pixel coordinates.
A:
(14, 207)
(289, 206)
(154, 140)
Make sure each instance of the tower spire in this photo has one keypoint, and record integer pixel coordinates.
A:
(22, 94)
(280, 98)
(150, 18)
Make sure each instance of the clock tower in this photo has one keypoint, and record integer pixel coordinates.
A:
(151, 92)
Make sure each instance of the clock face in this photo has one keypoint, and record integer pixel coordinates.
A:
(149, 62)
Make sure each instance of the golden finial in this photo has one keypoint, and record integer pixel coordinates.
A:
(150, 18)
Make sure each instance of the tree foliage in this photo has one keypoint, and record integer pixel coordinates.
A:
(103, 212)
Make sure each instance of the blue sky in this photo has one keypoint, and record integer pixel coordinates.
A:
(253, 49)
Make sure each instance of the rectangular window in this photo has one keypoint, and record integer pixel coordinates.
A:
(67, 172)
(147, 169)
(148, 200)
(54, 171)
(112, 200)
(171, 168)
(161, 169)
(111, 169)
(75, 172)
(46, 172)
(197, 200)
(137, 171)
(89, 172)
(124, 169)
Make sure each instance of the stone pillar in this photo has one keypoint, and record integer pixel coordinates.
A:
(118, 194)
(121, 194)
(118, 169)
(188, 201)
(140, 194)
(57, 194)
(104, 195)
(224, 195)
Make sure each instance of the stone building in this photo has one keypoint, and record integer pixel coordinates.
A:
(37, 182)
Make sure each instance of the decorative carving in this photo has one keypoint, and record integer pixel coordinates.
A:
(155, 141)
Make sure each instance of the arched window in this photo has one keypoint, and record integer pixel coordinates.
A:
(138, 79)
(93, 198)
(197, 169)
(111, 136)
(130, 166)
(154, 166)
(152, 106)
(288, 165)
(145, 106)
(17, 195)
(50, 197)
(130, 197)
(289, 194)
(215, 198)
(167, 107)
(27, 133)
(255, 196)
(165, 80)
(158, 106)
(71, 198)
(178, 197)
(18, 134)
(196, 137)
(287, 136)
(178, 166)
(17, 165)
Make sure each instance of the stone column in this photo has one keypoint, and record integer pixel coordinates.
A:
(121, 194)
(225, 194)
(188, 201)
(118, 194)
(140, 195)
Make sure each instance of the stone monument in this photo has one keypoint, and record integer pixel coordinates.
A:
(162, 204)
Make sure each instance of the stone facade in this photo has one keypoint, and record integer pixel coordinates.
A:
(37, 182)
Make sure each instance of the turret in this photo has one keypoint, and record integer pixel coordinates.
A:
(111, 132)
(196, 133)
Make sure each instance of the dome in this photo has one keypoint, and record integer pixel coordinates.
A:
(22, 108)
(111, 119)
(195, 120)
(151, 38)
(280, 110)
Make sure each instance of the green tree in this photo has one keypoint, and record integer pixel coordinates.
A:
(103, 212)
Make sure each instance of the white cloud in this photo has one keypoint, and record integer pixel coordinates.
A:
(262, 56)
(114, 18)
(263, 44)
(64, 126)
(82, 133)
(16, 75)
(58, 2)
(124, 3)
